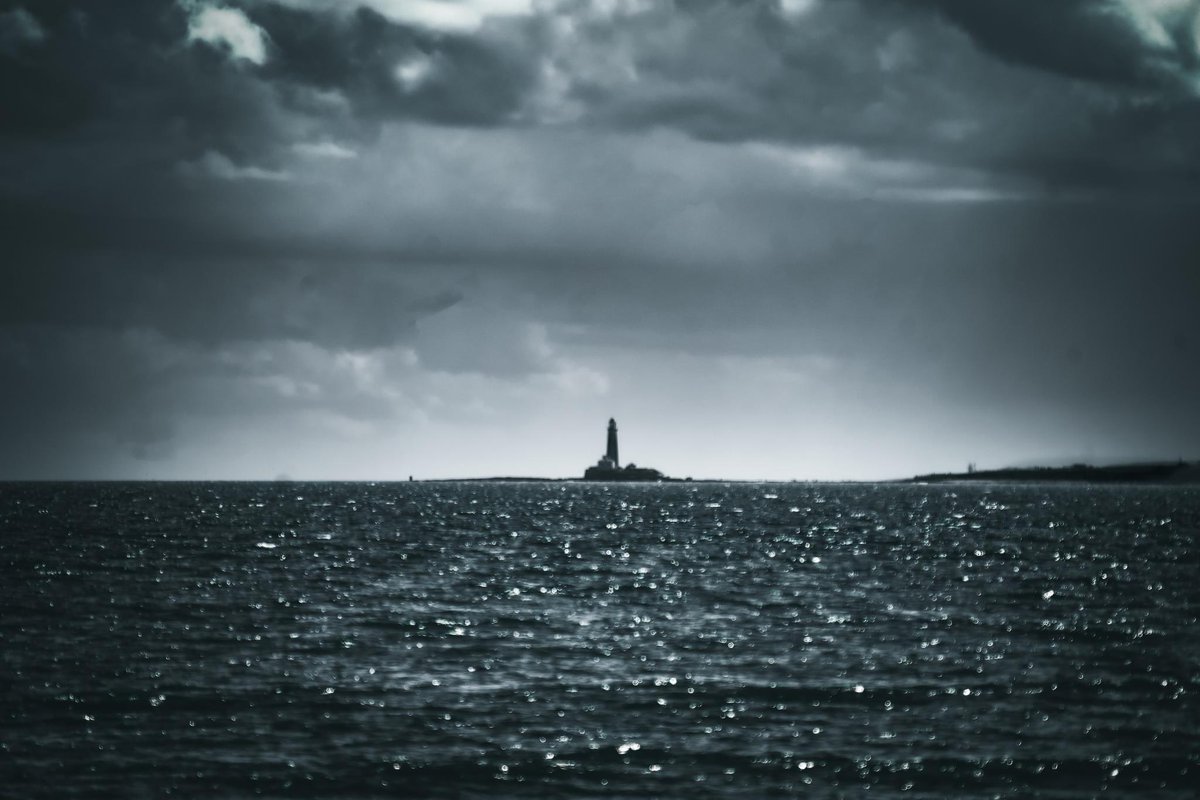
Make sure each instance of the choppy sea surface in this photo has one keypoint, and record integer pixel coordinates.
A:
(587, 640)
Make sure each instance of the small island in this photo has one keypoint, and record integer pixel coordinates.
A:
(609, 468)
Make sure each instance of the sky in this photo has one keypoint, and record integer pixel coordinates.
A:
(775, 239)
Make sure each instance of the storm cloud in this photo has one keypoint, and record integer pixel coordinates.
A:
(842, 238)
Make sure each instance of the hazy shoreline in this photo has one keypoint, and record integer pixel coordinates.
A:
(1164, 473)
(1147, 473)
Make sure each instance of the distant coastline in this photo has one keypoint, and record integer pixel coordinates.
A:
(609, 469)
(1174, 472)
(1158, 472)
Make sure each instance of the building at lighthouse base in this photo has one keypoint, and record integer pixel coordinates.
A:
(605, 470)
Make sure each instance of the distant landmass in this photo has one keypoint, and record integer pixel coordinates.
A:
(1160, 472)
(608, 468)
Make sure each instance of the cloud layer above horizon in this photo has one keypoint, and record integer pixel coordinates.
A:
(793, 239)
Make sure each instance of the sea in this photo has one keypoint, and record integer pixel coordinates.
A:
(574, 640)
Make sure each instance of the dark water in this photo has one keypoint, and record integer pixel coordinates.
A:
(483, 640)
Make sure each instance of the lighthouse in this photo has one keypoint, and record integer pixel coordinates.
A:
(611, 453)
(609, 468)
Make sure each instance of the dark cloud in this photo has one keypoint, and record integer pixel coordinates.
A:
(391, 71)
(40, 95)
(133, 68)
(1126, 72)
(19, 29)
(1124, 42)
(212, 302)
(911, 84)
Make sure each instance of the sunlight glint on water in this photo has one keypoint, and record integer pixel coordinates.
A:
(480, 639)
